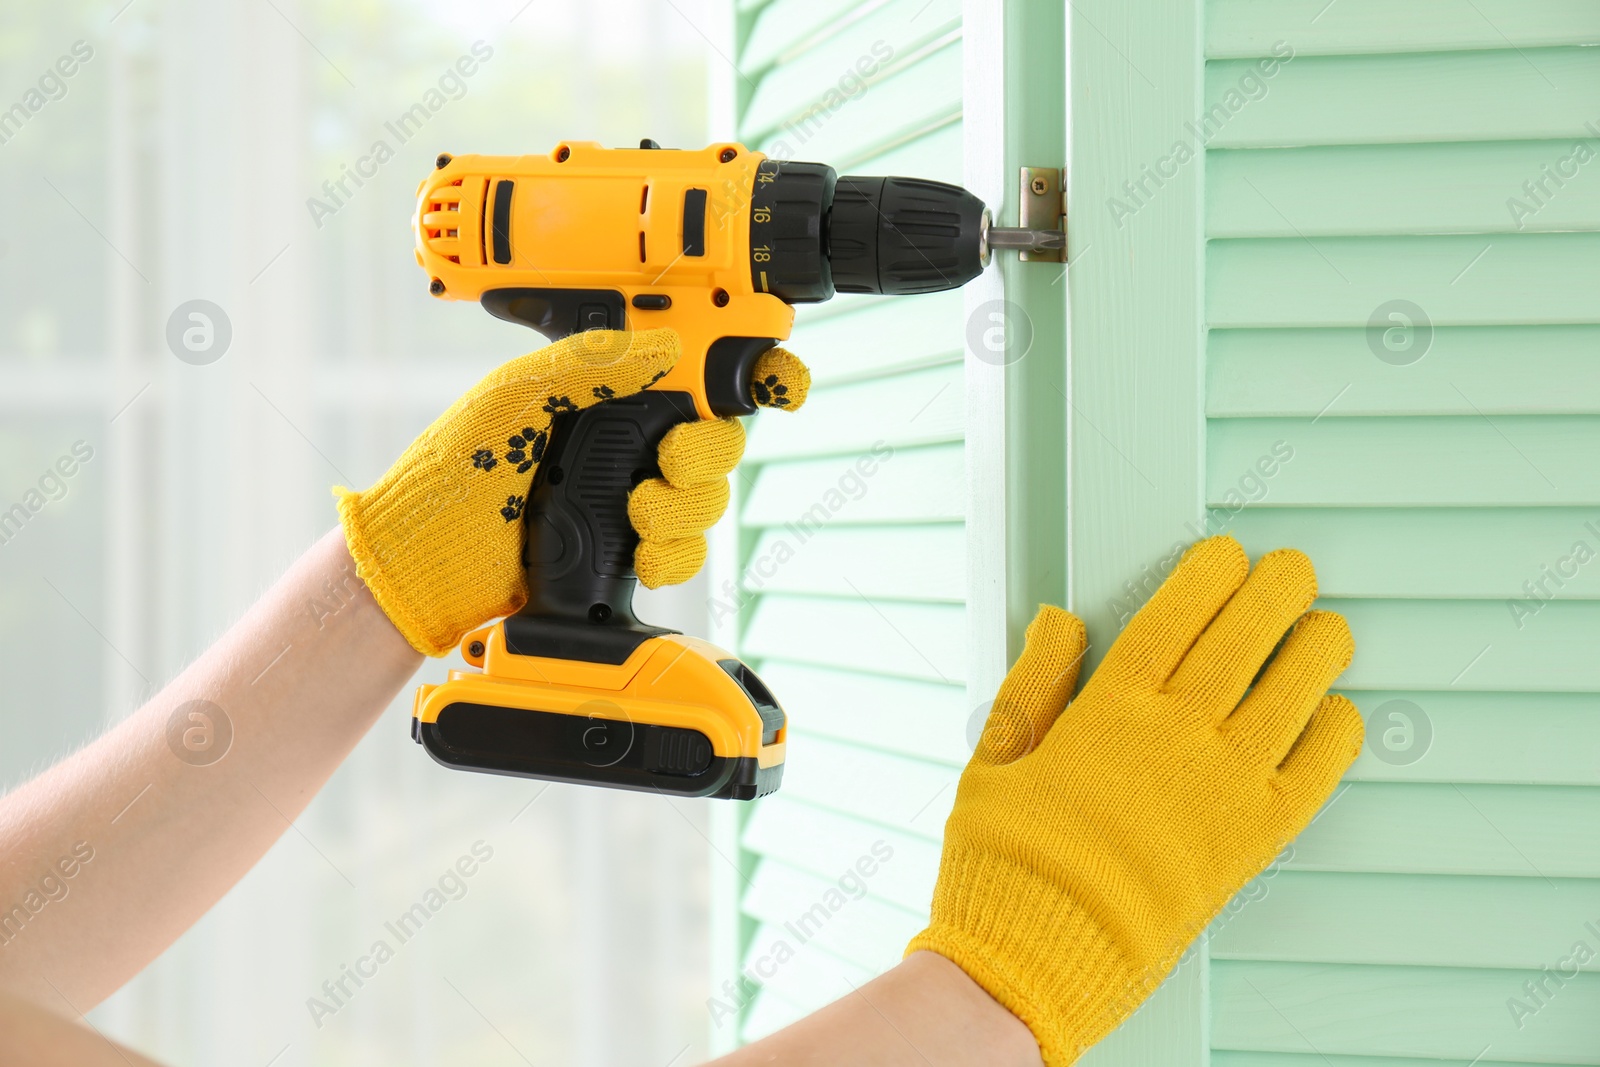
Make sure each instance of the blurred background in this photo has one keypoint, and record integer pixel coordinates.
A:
(203, 152)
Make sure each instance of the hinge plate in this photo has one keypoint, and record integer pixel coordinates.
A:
(1042, 205)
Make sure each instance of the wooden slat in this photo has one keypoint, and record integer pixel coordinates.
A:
(1417, 920)
(811, 977)
(1501, 460)
(1251, 27)
(926, 562)
(789, 26)
(1459, 644)
(909, 795)
(922, 407)
(886, 337)
(1474, 187)
(1504, 738)
(905, 640)
(827, 844)
(913, 485)
(922, 719)
(936, 154)
(1479, 553)
(926, 89)
(807, 98)
(1502, 95)
(862, 929)
(1457, 279)
(768, 1013)
(1403, 828)
(1227, 1058)
(1416, 1011)
(1463, 370)
(869, 38)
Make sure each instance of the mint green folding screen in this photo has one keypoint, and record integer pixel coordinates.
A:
(1333, 285)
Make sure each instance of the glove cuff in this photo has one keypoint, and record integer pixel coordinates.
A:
(1032, 948)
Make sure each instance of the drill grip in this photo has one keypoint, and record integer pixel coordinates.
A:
(579, 544)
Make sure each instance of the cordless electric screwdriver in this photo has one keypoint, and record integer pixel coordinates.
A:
(718, 245)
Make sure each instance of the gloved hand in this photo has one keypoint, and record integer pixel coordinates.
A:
(438, 539)
(1090, 842)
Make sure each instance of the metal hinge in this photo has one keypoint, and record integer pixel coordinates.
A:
(1040, 235)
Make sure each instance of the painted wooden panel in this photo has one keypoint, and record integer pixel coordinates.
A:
(1504, 95)
(828, 844)
(1225, 1058)
(862, 929)
(1400, 1011)
(1458, 370)
(922, 407)
(1410, 920)
(915, 485)
(849, 62)
(810, 977)
(1250, 27)
(1405, 828)
(1457, 279)
(925, 331)
(885, 637)
(769, 1012)
(1464, 553)
(926, 87)
(909, 795)
(1441, 461)
(928, 720)
(1471, 187)
(881, 562)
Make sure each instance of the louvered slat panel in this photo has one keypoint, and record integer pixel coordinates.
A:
(827, 844)
(1456, 279)
(917, 408)
(1410, 920)
(913, 485)
(1482, 553)
(1464, 370)
(882, 637)
(916, 563)
(1501, 460)
(909, 795)
(862, 929)
(851, 566)
(1251, 27)
(1400, 1011)
(1474, 187)
(1425, 153)
(923, 719)
(1506, 95)
(1407, 828)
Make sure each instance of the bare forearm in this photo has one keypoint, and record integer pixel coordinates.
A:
(159, 817)
(924, 1012)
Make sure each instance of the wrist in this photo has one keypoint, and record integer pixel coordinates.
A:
(950, 993)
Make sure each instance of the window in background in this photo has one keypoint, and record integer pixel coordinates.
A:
(206, 152)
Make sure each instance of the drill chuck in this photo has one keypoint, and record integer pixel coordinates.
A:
(813, 234)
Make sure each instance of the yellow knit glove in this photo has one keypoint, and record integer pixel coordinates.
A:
(438, 539)
(1089, 846)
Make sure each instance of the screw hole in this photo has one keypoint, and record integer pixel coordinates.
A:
(727, 155)
(475, 649)
(639, 474)
(443, 161)
(555, 476)
(720, 298)
(563, 153)
(599, 612)
(436, 287)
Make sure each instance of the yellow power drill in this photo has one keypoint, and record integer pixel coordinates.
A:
(718, 245)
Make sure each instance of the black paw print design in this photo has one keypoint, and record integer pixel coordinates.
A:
(770, 392)
(660, 374)
(484, 460)
(513, 509)
(558, 404)
(604, 392)
(527, 448)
